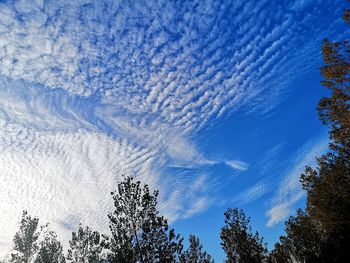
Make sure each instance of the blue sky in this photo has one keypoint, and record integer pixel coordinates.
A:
(211, 102)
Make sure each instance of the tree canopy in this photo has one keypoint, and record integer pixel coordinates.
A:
(50, 248)
(139, 234)
(321, 232)
(195, 252)
(25, 241)
(86, 246)
(240, 244)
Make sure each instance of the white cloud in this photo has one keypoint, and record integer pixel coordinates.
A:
(61, 175)
(289, 191)
(92, 89)
(253, 193)
(299, 5)
(61, 166)
(165, 65)
(237, 165)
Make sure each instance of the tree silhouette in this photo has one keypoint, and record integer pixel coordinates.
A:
(328, 186)
(139, 234)
(86, 246)
(26, 239)
(281, 252)
(50, 250)
(195, 253)
(238, 241)
(321, 233)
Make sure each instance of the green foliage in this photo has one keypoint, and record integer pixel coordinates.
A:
(195, 253)
(29, 248)
(304, 239)
(328, 186)
(322, 232)
(334, 111)
(281, 252)
(86, 246)
(51, 250)
(238, 241)
(139, 234)
(25, 241)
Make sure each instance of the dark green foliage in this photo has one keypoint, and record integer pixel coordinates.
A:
(51, 250)
(322, 232)
(328, 195)
(238, 241)
(281, 252)
(25, 241)
(304, 239)
(195, 253)
(139, 234)
(86, 246)
(328, 186)
(334, 111)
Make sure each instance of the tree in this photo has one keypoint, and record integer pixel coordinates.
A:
(50, 250)
(238, 241)
(304, 239)
(26, 239)
(139, 234)
(195, 253)
(328, 186)
(321, 232)
(281, 252)
(86, 246)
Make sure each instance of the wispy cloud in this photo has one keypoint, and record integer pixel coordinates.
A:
(185, 70)
(52, 155)
(253, 193)
(237, 165)
(263, 171)
(92, 89)
(289, 191)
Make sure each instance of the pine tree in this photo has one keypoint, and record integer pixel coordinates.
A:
(304, 238)
(139, 234)
(238, 241)
(321, 232)
(26, 239)
(328, 186)
(281, 252)
(195, 253)
(86, 246)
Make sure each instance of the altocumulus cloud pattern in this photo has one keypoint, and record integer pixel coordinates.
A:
(90, 90)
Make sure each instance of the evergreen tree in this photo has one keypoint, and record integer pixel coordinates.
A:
(139, 234)
(195, 253)
(238, 241)
(50, 250)
(304, 239)
(322, 232)
(26, 239)
(334, 167)
(86, 246)
(281, 252)
(328, 186)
